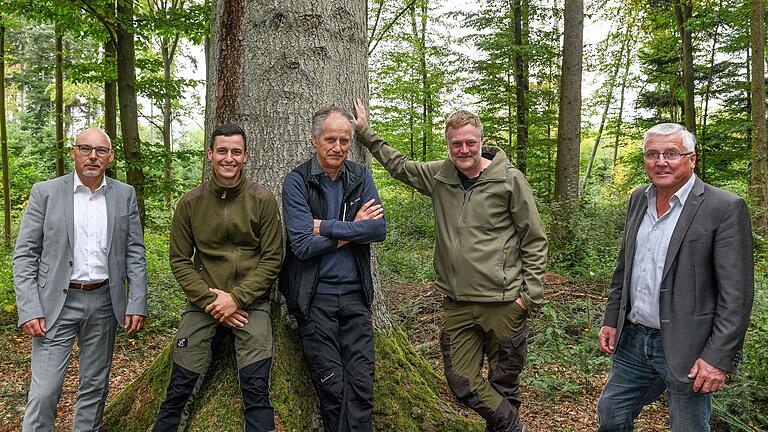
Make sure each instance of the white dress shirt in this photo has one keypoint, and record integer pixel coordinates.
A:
(90, 228)
(651, 253)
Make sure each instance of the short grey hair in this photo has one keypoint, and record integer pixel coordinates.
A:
(667, 129)
(322, 115)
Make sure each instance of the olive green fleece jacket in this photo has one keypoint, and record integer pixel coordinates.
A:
(490, 244)
(226, 238)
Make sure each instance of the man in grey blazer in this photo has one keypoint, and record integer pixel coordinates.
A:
(78, 270)
(681, 293)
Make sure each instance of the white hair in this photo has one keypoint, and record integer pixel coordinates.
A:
(667, 129)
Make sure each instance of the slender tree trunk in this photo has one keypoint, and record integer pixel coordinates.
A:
(748, 90)
(411, 134)
(759, 180)
(608, 100)
(168, 50)
(126, 89)
(701, 156)
(4, 143)
(110, 98)
(419, 42)
(59, 98)
(624, 78)
(510, 108)
(520, 89)
(683, 12)
(569, 118)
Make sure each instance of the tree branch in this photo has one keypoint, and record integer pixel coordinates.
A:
(389, 25)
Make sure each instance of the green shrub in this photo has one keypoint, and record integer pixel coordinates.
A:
(743, 404)
(584, 245)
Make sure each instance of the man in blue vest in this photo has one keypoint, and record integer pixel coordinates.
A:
(332, 213)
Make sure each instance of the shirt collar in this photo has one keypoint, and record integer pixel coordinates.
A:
(77, 183)
(681, 194)
(316, 169)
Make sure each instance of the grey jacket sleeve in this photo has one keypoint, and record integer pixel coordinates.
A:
(26, 258)
(135, 261)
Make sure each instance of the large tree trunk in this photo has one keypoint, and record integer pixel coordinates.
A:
(759, 180)
(126, 89)
(569, 118)
(4, 143)
(59, 98)
(271, 65)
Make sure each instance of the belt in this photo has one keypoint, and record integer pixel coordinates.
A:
(88, 286)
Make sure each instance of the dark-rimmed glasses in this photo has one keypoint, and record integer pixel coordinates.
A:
(86, 150)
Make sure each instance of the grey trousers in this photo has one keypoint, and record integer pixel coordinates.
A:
(89, 317)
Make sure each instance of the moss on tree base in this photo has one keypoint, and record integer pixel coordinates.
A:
(406, 391)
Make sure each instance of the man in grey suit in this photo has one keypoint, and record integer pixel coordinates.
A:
(681, 293)
(78, 270)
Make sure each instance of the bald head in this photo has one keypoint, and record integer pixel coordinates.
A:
(93, 137)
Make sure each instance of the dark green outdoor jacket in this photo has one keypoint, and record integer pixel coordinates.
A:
(490, 244)
(226, 238)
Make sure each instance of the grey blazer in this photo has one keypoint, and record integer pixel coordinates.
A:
(42, 260)
(707, 283)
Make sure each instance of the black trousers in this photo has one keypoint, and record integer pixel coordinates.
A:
(337, 340)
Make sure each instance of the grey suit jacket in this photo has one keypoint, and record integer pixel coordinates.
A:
(707, 283)
(42, 260)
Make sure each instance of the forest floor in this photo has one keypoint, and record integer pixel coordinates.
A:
(414, 307)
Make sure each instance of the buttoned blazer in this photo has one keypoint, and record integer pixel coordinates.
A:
(707, 282)
(42, 261)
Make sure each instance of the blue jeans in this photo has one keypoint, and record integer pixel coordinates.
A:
(640, 375)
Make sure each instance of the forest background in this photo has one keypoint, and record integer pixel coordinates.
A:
(570, 111)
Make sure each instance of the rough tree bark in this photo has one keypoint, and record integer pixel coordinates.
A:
(271, 65)
(759, 181)
(569, 118)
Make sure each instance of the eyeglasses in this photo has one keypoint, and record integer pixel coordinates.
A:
(669, 155)
(86, 150)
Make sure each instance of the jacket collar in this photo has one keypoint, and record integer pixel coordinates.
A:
(496, 171)
(223, 192)
(346, 175)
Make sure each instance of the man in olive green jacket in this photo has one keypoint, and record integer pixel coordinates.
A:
(490, 256)
(226, 251)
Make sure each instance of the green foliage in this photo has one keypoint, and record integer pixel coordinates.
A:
(406, 255)
(585, 245)
(563, 356)
(742, 406)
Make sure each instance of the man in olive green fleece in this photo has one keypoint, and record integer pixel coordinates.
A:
(226, 251)
(490, 256)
